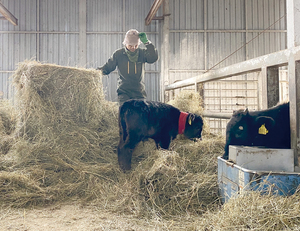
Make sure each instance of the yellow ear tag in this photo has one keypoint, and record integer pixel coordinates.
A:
(262, 130)
(190, 121)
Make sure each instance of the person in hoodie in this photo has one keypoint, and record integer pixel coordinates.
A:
(130, 62)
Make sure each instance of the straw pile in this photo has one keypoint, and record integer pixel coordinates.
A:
(63, 136)
(52, 99)
(188, 101)
(252, 211)
(8, 120)
(191, 101)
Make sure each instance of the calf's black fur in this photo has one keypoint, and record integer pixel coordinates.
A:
(244, 128)
(140, 120)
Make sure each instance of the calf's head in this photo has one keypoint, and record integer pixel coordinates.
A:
(244, 129)
(193, 126)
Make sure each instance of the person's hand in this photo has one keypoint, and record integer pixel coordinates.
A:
(143, 37)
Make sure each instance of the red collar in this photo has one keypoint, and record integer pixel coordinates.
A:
(181, 122)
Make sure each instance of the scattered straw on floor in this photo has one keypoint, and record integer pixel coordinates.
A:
(253, 211)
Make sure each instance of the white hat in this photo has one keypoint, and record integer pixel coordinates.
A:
(132, 38)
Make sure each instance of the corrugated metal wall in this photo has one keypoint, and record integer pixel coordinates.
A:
(202, 33)
(48, 31)
(209, 34)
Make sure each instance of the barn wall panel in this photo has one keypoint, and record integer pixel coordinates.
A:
(48, 31)
(58, 15)
(224, 32)
(204, 35)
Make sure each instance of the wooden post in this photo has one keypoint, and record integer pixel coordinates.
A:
(273, 86)
(165, 50)
(293, 39)
(268, 87)
(200, 90)
(262, 89)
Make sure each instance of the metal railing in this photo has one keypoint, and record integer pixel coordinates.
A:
(264, 64)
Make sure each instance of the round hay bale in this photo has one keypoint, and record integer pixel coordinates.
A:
(51, 98)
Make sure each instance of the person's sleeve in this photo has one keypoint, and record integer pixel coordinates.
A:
(109, 66)
(151, 53)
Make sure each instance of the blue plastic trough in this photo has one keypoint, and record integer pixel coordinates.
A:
(232, 179)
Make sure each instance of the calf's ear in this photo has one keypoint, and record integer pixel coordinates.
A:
(267, 121)
(190, 118)
(240, 112)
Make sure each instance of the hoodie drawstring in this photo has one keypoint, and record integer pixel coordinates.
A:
(134, 68)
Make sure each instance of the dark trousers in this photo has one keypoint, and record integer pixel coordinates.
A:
(124, 97)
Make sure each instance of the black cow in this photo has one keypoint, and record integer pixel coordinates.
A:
(140, 120)
(268, 128)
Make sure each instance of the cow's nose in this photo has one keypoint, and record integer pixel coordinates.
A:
(199, 136)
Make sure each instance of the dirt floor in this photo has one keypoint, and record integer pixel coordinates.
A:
(72, 217)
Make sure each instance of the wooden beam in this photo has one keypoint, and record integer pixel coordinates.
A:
(268, 87)
(9, 16)
(165, 50)
(262, 92)
(154, 8)
(293, 40)
(273, 86)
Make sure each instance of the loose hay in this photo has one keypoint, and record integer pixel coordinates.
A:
(63, 147)
(8, 121)
(12, 185)
(188, 101)
(191, 101)
(253, 211)
(66, 140)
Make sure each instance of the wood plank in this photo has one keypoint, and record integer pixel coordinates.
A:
(293, 40)
(154, 8)
(9, 16)
(272, 86)
(165, 49)
(262, 89)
